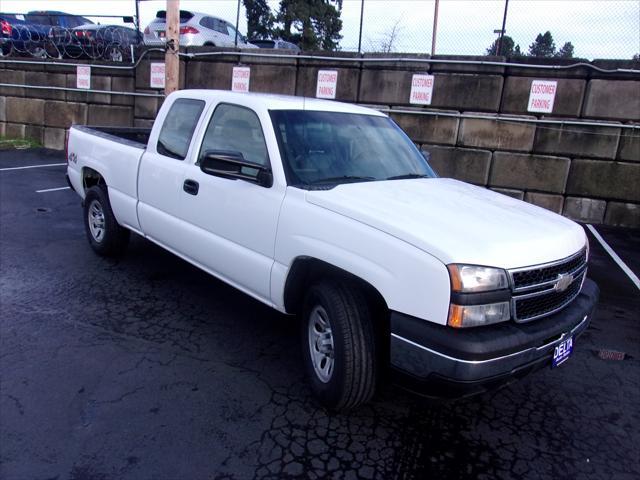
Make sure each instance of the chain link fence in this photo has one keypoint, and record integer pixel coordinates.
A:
(587, 29)
(595, 28)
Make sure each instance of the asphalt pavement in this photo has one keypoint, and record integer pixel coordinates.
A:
(148, 368)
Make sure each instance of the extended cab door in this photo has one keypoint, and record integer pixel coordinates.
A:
(233, 222)
(160, 179)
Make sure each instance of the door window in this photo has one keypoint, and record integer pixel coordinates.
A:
(178, 128)
(208, 22)
(218, 26)
(38, 19)
(237, 129)
(232, 32)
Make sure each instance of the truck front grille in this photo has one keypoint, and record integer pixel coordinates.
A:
(544, 289)
(535, 276)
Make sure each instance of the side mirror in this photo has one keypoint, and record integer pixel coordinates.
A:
(426, 155)
(231, 164)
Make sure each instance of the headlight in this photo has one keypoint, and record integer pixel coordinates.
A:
(479, 296)
(472, 279)
(461, 316)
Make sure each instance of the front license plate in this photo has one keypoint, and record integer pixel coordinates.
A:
(161, 34)
(562, 352)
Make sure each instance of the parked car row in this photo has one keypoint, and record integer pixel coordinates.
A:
(54, 34)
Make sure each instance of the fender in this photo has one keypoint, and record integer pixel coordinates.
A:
(408, 279)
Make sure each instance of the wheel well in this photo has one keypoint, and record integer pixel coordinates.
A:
(91, 178)
(307, 270)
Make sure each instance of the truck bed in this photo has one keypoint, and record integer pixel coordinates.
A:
(132, 136)
(115, 152)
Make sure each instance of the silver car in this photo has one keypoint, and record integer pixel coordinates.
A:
(196, 30)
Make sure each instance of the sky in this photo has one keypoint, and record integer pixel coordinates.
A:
(596, 28)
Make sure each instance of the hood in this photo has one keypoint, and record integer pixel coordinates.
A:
(457, 222)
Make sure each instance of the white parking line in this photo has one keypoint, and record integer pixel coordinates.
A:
(32, 166)
(52, 189)
(616, 258)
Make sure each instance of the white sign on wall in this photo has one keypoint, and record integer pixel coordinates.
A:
(421, 89)
(83, 76)
(542, 96)
(327, 84)
(240, 79)
(157, 75)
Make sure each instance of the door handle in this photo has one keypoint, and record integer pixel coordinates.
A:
(191, 187)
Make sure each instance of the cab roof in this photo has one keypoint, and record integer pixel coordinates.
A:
(278, 102)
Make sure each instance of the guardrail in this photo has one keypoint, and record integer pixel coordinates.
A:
(98, 53)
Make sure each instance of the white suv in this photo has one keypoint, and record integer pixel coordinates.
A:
(196, 30)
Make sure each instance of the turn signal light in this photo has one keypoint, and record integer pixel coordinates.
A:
(462, 316)
(455, 316)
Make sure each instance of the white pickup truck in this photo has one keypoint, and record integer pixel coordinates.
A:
(329, 211)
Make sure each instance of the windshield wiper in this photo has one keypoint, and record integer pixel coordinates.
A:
(341, 178)
(408, 175)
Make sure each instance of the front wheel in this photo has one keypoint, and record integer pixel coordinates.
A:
(104, 233)
(338, 344)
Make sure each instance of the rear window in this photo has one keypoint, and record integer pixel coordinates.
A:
(185, 16)
(178, 128)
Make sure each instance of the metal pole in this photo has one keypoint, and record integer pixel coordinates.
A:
(435, 28)
(138, 16)
(171, 60)
(237, 23)
(504, 24)
(361, 19)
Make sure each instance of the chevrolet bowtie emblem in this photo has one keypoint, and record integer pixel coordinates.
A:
(563, 282)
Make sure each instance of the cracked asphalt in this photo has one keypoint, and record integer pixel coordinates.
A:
(147, 368)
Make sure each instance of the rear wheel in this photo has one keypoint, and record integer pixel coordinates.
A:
(338, 343)
(114, 54)
(104, 233)
(5, 49)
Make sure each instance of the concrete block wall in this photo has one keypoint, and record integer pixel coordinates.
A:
(46, 115)
(588, 173)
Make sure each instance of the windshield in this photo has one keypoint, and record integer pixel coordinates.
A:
(325, 148)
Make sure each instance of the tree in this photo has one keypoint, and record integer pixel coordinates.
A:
(312, 24)
(387, 41)
(259, 19)
(508, 48)
(543, 46)
(566, 51)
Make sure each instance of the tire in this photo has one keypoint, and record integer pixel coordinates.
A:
(113, 54)
(105, 235)
(350, 380)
